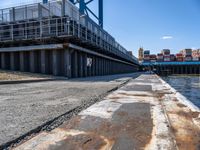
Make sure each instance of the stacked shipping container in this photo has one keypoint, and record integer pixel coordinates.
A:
(165, 56)
(179, 57)
(146, 55)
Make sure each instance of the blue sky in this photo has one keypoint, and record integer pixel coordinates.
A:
(152, 24)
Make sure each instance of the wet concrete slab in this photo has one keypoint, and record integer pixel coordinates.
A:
(138, 116)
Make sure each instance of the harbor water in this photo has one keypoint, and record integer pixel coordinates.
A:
(188, 86)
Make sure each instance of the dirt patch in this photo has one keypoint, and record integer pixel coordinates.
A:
(114, 97)
(186, 133)
(87, 141)
(130, 127)
(189, 142)
(188, 115)
(15, 75)
(175, 99)
(180, 105)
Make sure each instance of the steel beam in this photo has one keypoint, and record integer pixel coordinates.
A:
(82, 6)
(45, 1)
(101, 13)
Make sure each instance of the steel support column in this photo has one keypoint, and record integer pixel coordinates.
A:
(85, 71)
(75, 64)
(67, 63)
(12, 61)
(43, 62)
(81, 64)
(22, 63)
(3, 60)
(32, 62)
(55, 63)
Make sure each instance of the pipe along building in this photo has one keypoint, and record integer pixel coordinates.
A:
(59, 38)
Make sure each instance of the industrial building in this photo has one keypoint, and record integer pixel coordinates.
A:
(59, 38)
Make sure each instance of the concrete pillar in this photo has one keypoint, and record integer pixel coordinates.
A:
(32, 62)
(43, 62)
(67, 63)
(3, 60)
(21, 58)
(55, 63)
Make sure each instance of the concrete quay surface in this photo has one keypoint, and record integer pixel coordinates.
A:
(145, 114)
(26, 106)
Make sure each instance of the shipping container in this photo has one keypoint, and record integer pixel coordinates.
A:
(195, 59)
(179, 55)
(179, 59)
(186, 52)
(152, 56)
(160, 57)
(166, 52)
(166, 58)
(188, 58)
(147, 52)
(153, 60)
(172, 57)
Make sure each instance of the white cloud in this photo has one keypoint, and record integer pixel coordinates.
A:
(167, 37)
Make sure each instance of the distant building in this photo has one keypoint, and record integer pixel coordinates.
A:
(141, 54)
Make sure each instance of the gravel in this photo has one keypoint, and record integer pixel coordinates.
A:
(28, 108)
